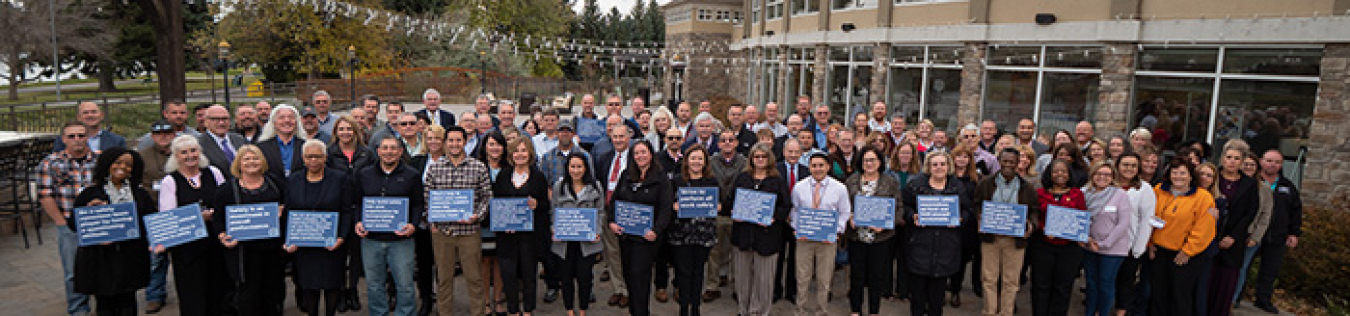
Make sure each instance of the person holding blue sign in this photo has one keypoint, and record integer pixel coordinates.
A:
(1109, 237)
(320, 271)
(643, 182)
(869, 248)
(517, 251)
(198, 266)
(692, 239)
(1054, 261)
(257, 266)
(815, 258)
(391, 253)
(460, 242)
(1003, 255)
(112, 272)
(934, 252)
(577, 189)
(757, 245)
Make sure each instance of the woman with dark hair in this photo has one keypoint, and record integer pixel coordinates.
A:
(347, 153)
(1077, 164)
(1134, 271)
(320, 271)
(869, 248)
(643, 182)
(257, 266)
(492, 152)
(757, 246)
(113, 272)
(1183, 228)
(1054, 261)
(530, 128)
(577, 189)
(934, 251)
(518, 251)
(692, 238)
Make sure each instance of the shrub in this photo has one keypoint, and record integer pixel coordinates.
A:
(1318, 270)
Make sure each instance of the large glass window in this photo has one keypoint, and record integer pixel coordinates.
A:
(850, 79)
(1066, 99)
(775, 9)
(1056, 86)
(943, 98)
(1292, 61)
(850, 4)
(1179, 59)
(805, 6)
(905, 92)
(1009, 96)
(1267, 114)
(1175, 108)
(924, 82)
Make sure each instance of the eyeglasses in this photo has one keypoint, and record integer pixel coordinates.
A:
(672, 138)
(728, 140)
(405, 123)
(219, 118)
(613, 103)
(321, 101)
(76, 136)
(314, 157)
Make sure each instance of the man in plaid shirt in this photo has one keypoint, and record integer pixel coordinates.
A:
(459, 242)
(61, 176)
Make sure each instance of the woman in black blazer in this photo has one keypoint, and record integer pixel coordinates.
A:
(643, 182)
(518, 253)
(113, 272)
(257, 266)
(320, 271)
(347, 153)
(757, 246)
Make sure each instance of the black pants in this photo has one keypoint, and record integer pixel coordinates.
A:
(661, 265)
(1126, 281)
(552, 277)
(355, 269)
(637, 257)
(1272, 257)
(331, 299)
(1053, 271)
(519, 266)
(425, 269)
(123, 304)
(868, 269)
(689, 265)
(785, 274)
(1173, 286)
(262, 281)
(970, 257)
(200, 280)
(926, 294)
(575, 277)
(898, 261)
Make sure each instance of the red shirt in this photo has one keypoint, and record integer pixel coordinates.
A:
(1073, 199)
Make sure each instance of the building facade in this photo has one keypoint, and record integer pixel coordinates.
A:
(1274, 73)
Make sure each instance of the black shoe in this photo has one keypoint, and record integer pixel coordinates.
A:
(550, 296)
(353, 300)
(592, 298)
(1268, 307)
(428, 305)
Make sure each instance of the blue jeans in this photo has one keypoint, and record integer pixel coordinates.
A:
(382, 258)
(1246, 265)
(159, 273)
(67, 243)
(1101, 281)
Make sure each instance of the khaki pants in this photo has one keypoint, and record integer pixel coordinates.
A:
(720, 256)
(614, 259)
(1001, 258)
(468, 252)
(815, 260)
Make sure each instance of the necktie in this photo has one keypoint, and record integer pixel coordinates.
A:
(792, 176)
(815, 199)
(613, 176)
(229, 152)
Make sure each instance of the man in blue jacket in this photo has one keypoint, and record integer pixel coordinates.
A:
(91, 115)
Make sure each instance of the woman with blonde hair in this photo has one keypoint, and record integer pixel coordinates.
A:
(924, 136)
(257, 266)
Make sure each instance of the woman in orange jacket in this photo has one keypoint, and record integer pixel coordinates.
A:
(1183, 228)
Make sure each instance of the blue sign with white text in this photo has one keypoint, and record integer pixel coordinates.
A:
(1067, 223)
(449, 205)
(874, 212)
(939, 210)
(635, 219)
(1003, 219)
(575, 224)
(817, 224)
(311, 229)
(252, 221)
(106, 223)
(754, 206)
(384, 214)
(175, 227)
(697, 202)
(511, 214)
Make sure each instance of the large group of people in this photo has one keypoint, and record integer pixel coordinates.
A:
(1170, 234)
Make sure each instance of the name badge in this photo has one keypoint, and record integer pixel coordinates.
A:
(1156, 222)
(1284, 190)
(1110, 208)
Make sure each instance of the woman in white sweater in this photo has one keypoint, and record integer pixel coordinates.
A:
(1133, 274)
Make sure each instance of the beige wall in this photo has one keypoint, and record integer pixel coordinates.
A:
(1187, 9)
(930, 13)
(1024, 11)
(698, 27)
(862, 18)
(805, 23)
(775, 25)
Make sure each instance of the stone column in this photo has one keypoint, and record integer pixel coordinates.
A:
(784, 80)
(972, 83)
(881, 58)
(1117, 81)
(1326, 180)
(820, 74)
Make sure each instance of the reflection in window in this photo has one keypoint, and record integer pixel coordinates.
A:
(1179, 59)
(1068, 98)
(944, 98)
(1267, 114)
(1015, 56)
(904, 92)
(1289, 61)
(1175, 109)
(850, 4)
(949, 55)
(1073, 56)
(1009, 96)
(805, 6)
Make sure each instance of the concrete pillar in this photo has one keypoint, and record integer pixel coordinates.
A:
(820, 73)
(1117, 82)
(881, 58)
(1326, 181)
(824, 15)
(784, 80)
(972, 83)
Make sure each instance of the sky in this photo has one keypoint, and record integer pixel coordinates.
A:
(623, 5)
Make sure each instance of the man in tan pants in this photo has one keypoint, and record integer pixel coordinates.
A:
(1003, 254)
(613, 260)
(459, 242)
(815, 259)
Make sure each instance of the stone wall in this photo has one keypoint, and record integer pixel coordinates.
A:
(1117, 82)
(701, 79)
(1326, 179)
(972, 83)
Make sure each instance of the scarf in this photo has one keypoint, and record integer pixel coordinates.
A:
(1097, 199)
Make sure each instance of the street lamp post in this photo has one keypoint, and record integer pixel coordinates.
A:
(351, 71)
(225, 69)
(482, 69)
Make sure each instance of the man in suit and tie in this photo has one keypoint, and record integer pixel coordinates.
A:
(704, 134)
(794, 125)
(609, 166)
(785, 278)
(431, 99)
(219, 144)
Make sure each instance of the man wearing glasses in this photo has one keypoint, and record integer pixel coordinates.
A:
(821, 126)
(219, 145)
(61, 176)
(323, 108)
(985, 162)
(726, 165)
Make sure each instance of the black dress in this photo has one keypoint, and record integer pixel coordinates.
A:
(117, 268)
(320, 268)
(519, 252)
(257, 266)
(199, 266)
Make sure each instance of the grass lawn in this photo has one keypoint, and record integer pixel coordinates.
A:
(124, 90)
(130, 120)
